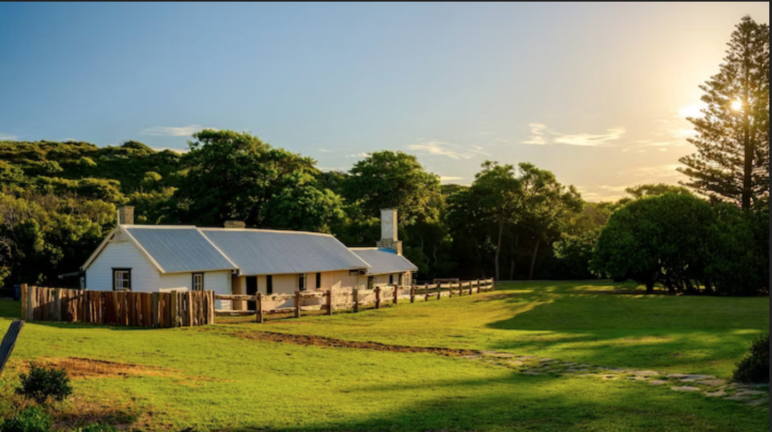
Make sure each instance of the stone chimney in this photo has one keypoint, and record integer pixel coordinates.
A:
(126, 215)
(235, 224)
(389, 231)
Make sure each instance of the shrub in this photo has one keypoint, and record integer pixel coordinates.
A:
(31, 419)
(755, 366)
(42, 383)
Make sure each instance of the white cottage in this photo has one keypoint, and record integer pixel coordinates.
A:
(237, 260)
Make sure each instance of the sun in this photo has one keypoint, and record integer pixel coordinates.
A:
(737, 105)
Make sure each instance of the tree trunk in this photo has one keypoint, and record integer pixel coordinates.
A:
(533, 260)
(649, 287)
(512, 262)
(498, 249)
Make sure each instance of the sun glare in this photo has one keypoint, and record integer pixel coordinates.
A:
(737, 105)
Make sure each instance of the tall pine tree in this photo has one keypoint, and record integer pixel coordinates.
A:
(732, 159)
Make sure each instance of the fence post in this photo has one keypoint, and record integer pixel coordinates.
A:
(23, 298)
(450, 289)
(297, 304)
(355, 294)
(396, 293)
(377, 297)
(259, 305)
(426, 292)
(328, 296)
(439, 291)
(412, 293)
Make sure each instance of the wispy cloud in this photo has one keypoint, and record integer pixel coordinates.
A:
(658, 172)
(446, 149)
(8, 137)
(324, 150)
(176, 150)
(542, 135)
(356, 155)
(602, 192)
(173, 131)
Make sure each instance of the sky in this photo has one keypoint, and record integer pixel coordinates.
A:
(597, 92)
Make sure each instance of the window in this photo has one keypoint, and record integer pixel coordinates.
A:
(198, 281)
(269, 284)
(391, 279)
(121, 279)
(301, 282)
(318, 280)
(370, 282)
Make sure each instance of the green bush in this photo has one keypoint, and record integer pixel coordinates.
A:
(755, 366)
(32, 419)
(42, 383)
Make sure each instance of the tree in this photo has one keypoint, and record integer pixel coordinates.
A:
(233, 175)
(397, 180)
(732, 159)
(657, 239)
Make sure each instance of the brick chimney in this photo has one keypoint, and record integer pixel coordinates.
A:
(126, 215)
(235, 224)
(389, 231)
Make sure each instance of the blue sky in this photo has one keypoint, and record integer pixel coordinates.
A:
(594, 92)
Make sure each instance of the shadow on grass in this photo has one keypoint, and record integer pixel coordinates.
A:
(520, 402)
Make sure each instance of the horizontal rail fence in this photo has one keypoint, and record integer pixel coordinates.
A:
(354, 299)
(119, 308)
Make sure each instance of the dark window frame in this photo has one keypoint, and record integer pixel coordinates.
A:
(302, 282)
(269, 284)
(391, 279)
(318, 280)
(193, 281)
(121, 269)
(371, 282)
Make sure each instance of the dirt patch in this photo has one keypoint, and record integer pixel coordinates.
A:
(83, 368)
(308, 340)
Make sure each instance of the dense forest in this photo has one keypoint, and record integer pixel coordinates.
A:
(58, 200)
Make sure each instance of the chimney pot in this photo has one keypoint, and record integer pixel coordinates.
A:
(235, 224)
(126, 215)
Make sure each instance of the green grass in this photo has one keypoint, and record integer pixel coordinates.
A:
(213, 380)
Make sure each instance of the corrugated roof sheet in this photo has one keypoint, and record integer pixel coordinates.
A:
(281, 252)
(179, 249)
(384, 261)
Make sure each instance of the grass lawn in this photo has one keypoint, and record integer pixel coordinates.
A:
(212, 379)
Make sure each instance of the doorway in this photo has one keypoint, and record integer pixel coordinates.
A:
(252, 290)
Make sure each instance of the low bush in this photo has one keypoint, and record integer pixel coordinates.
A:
(755, 366)
(31, 419)
(42, 383)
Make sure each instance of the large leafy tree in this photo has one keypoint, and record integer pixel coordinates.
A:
(232, 175)
(387, 179)
(732, 159)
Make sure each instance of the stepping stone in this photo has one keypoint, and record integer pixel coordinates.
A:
(750, 393)
(497, 354)
(569, 370)
(712, 383)
(470, 356)
(644, 373)
(531, 373)
(657, 382)
(715, 393)
(757, 402)
(515, 363)
(692, 378)
(685, 389)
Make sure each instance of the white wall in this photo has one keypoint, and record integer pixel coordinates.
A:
(145, 277)
(217, 281)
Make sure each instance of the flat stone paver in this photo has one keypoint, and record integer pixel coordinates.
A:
(757, 402)
(713, 382)
(685, 389)
(716, 393)
(657, 382)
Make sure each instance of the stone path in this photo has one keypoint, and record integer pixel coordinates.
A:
(707, 385)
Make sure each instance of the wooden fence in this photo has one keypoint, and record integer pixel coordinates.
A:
(170, 309)
(329, 301)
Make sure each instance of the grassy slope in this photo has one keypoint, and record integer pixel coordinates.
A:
(221, 382)
(683, 334)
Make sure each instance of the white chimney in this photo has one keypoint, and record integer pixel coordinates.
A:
(126, 215)
(389, 231)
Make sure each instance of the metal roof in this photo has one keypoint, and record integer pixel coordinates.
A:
(180, 249)
(384, 261)
(258, 252)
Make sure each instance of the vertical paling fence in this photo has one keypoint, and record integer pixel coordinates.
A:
(118, 308)
(329, 301)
